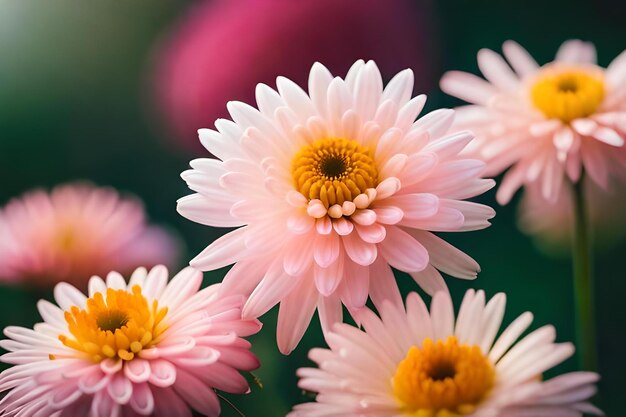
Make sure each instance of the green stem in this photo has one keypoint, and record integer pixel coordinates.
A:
(583, 281)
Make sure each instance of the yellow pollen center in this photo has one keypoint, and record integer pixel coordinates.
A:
(66, 239)
(442, 379)
(118, 327)
(568, 94)
(334, 170)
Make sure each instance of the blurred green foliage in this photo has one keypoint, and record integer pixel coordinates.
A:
(75, 103)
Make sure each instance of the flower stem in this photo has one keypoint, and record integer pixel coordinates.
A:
(583, 281)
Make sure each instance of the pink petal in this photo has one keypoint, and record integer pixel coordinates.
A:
(417, 167)
(383, 284)
(576, 52)
(497, 71)
(162, 373)
(120, 389)
(374, 233)
(388, 214)
(467, 87)
(360, 251)
(326, 249)
(226, 250)
(446, 220)
(520, 59)
(210, 212)
(430, 280)
(342, 226)
(446, 257)
(195, 393)
(274, 286)
(327, 279)
(294, 315)
(354, 287)
(415, 206)
(330, 311)
(387, 188)
(243, 277)
(168, 404)
(137, 370)
(442, 315)
(297, 257)
(402, 251)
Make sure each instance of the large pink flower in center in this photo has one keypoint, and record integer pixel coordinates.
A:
(328, 190)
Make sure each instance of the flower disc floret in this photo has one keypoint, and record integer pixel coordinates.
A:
(334, 170)
(442, 378)
(118, 327)
(568, 93)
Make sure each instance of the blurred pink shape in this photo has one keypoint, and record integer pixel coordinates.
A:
(76, 231)
(220, 50)
(551, 223)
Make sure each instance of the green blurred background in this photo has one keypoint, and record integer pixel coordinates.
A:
(76, 103)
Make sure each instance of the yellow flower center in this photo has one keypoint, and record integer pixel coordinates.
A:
(568, 94)
(334, 170)
(66, 239)
(442, 379)
(118, 327)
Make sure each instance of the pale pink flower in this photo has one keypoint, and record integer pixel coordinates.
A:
(219, 50)
(551, 223)
(329, 189)
(546, 122)
(142, 348)
(76, 231)
(412, 362)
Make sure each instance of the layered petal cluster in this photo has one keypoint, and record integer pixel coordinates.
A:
(328, 190)
(148, 347)
(416, 362)
(547, 123)
(76, 231)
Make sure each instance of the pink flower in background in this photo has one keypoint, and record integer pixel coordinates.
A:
(76, 231)
(142, 348)
(329, 189)
(221, 49)
(546, 122)
(412, 362)
(551, 222)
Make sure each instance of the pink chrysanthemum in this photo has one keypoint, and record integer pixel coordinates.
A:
(74, 232)
(146, 348)
(548, 122)
(328, 190)
(417, 363)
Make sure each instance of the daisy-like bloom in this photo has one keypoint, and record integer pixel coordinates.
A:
(76, 231)
(416, 363)
(142, 348)
(546, 122)
(328, 190)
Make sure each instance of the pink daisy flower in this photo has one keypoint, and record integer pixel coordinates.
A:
(413, 362)
(142, 348)
(546, 122)
(330, 189)
(76, 231)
